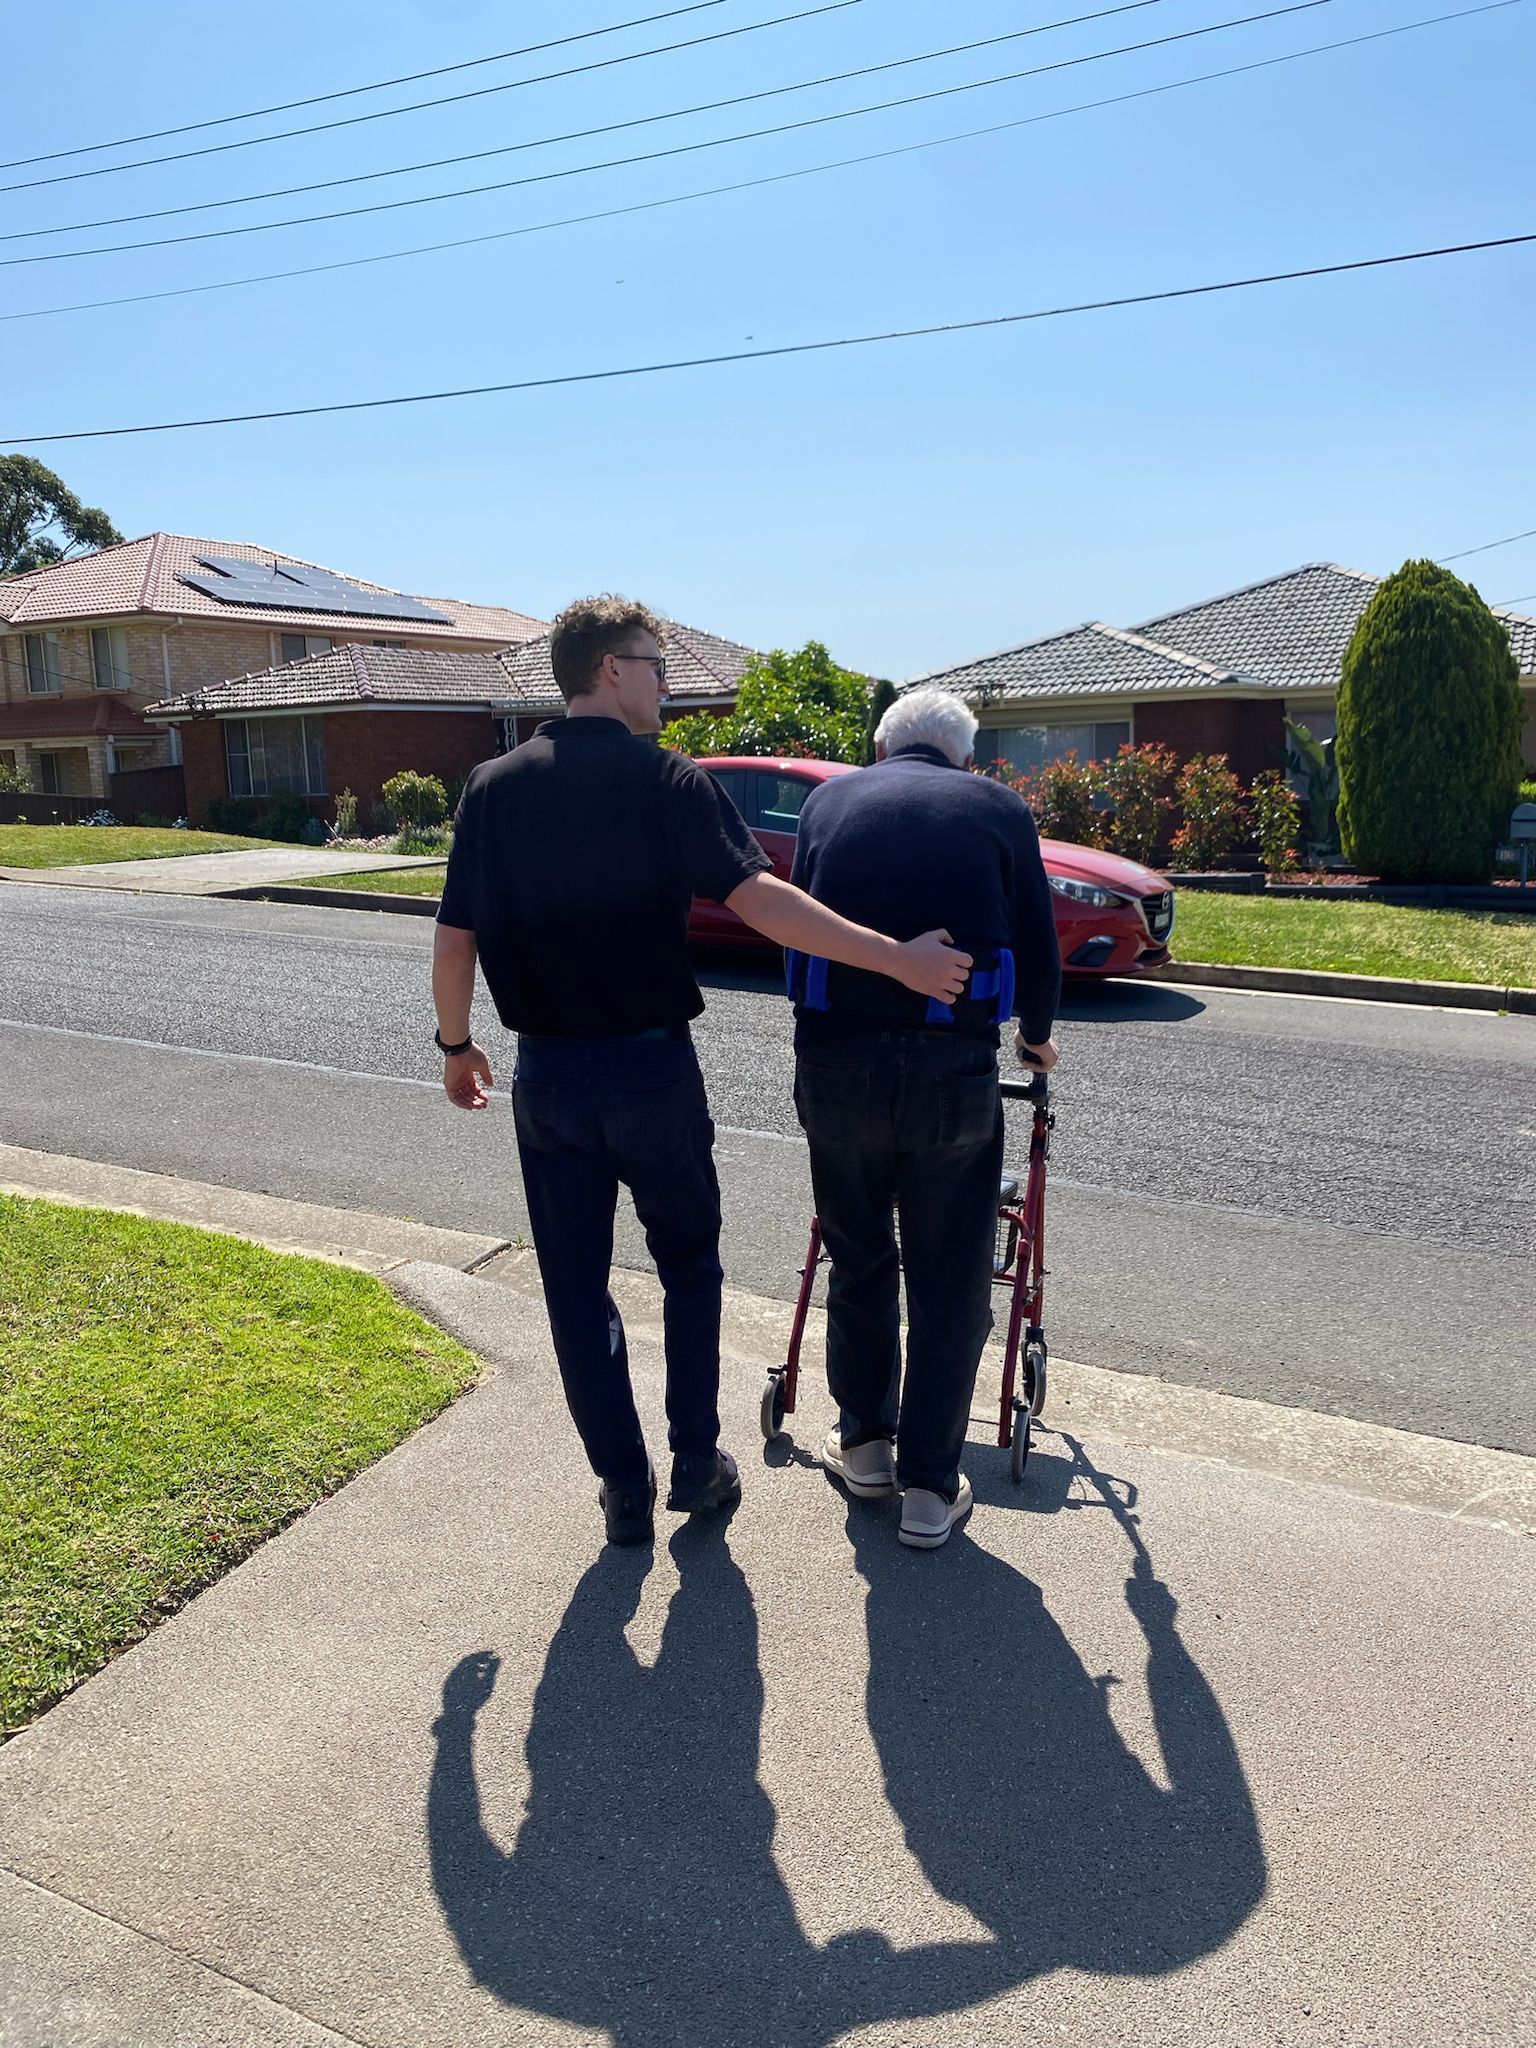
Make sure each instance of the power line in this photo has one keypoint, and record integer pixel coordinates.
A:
(584, 134)
(417, 106)
(755, 355)
(753, 184)
(1503, 604)
(1508, 541)
(20, 163)
(656, 155)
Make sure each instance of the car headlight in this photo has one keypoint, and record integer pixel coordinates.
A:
(1085, 892)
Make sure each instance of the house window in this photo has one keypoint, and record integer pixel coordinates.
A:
(299, 646)
(109, 658)
(52, 775)
(265, 755)
(1032, 746)
(42, 664)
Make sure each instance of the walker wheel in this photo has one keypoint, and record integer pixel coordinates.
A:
(1035, 1377)
(771, 1412)
(1021, 1434)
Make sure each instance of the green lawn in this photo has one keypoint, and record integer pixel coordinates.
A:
(391, 882)
(68, 846)
(168, 1398)
(1357, 938)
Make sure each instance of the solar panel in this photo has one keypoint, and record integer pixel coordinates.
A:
(296, 587)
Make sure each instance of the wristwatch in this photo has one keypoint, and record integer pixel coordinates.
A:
(449, 1051)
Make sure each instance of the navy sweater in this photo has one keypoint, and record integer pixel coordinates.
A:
(915, 844)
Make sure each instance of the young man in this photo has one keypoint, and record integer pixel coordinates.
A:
(899, 1098)
(574, 862)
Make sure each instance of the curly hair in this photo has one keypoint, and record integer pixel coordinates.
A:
(588, 630)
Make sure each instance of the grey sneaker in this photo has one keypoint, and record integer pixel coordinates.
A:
(927, 1518)
(869, 1470)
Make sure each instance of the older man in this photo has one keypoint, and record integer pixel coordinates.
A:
(574, 861)
(899, 1096)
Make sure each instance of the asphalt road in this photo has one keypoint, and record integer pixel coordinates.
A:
(1325, 1204)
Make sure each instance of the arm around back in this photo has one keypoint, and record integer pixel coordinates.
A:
(931, 964)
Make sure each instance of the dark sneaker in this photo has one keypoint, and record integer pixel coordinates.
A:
(629, 1509)
(702, 1483)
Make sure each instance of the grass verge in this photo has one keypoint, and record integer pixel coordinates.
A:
(388, 882)
(1358, 938)
(71, 846)
(168, 1399)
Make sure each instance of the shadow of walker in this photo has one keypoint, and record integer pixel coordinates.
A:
(641, 1895)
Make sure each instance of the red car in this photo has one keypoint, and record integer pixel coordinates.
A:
(1112, 915)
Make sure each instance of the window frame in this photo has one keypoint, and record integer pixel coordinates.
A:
(285, 659)
(252, 754)
(47, 645)
(761, 814)
(120, 674)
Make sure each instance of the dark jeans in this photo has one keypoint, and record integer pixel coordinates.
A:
(910, 1122)
(592, 1112)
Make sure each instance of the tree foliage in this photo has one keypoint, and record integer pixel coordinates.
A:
(1429, 731)
(1275, 811)
(799, 704)
(41, 519)
(881, 698)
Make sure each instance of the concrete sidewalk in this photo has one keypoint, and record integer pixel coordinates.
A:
(215, 874)
(1159, 1750)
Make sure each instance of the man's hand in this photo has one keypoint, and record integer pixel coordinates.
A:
(932, 966)
(1042, 1056)
(467, 1078)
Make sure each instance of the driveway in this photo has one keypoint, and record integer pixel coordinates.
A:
(214, 874)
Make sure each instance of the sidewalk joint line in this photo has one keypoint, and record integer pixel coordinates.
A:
(185, 1956)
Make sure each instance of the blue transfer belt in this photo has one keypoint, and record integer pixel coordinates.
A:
(805, 982)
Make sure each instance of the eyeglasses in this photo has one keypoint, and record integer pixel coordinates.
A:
(657, 661)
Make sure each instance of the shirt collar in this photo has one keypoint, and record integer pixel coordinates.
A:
(920, 751)
(602, 727)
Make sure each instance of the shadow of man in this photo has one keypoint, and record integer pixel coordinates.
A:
(642, 1897)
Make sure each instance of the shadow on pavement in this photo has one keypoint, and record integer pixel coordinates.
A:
(1127, 1002)
(641, 1894)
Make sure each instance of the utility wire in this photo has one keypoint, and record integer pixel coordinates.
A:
(655, 155)
(21, 163)
(1508, 541)
(752, 184)
(1503, 604)
(582, 134)
(416, 106)
(795, 348)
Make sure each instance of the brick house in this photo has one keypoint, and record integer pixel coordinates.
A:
(88, 645)
(1217, 677)
(350, 717)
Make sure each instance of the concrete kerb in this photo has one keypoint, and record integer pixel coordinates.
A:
(348, 1237)
(1291, 981)
(455, 1278)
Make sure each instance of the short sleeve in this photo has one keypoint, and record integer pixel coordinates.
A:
(457, 907)
(718, 852)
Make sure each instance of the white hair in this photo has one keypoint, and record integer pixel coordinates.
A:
(929, 718)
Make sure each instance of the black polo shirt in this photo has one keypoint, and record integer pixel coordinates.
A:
(916, 844)
(574, 861)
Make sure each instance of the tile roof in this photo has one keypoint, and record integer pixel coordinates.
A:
(57, 718)
(1086, 661)
(361, 674)
(141, 577)
(1291, 631)
(1288, 632)
(701, 667)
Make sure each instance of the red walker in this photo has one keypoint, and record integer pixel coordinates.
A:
(1018, 1264)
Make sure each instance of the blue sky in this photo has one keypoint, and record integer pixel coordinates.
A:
(911, 504)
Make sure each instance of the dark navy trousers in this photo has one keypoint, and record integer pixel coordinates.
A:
(905, 1126)
(593, 1113)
